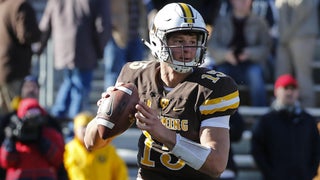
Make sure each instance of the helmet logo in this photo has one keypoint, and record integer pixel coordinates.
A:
(190, 25)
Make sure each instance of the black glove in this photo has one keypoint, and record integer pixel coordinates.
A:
(10, 130)
(44, 145)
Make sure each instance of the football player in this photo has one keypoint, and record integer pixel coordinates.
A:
(184, 109)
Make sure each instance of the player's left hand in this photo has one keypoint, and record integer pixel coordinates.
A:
(149, 120)
(106, 93)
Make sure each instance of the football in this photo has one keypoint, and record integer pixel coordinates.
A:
(116, 112)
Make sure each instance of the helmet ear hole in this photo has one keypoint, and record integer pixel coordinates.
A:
(153, 43)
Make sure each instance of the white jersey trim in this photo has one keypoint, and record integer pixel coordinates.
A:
(221, 121)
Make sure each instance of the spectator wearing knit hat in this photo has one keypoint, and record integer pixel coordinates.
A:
(28, 88)
(28, 139)
(285, 141)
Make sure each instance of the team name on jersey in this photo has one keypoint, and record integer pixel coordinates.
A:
(175, 124)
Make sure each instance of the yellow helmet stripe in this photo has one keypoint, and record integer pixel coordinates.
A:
(187, 12)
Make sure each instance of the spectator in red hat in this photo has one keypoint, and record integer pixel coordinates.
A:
(285, 141)
(29, 88)
(286, 92)
(30, 107)
(28, 138)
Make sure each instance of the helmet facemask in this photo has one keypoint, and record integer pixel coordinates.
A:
(184, 65)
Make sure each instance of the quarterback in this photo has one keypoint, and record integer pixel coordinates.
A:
(184, 110)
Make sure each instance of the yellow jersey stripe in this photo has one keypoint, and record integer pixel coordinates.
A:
(230, 101)
(187, 12)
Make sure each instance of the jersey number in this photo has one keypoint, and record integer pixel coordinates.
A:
(165, 158)
(213, 75)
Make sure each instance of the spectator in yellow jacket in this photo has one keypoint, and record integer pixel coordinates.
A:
(82, 164)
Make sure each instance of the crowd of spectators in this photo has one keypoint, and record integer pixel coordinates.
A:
(253, 41)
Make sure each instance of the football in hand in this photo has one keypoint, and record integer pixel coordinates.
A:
(116, 112)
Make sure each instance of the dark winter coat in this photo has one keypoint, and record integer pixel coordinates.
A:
(285, 145)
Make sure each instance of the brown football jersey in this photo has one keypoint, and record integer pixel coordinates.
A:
(202, 95)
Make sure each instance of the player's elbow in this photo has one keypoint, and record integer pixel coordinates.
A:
(215, 171)
(215, 167)
(219, 170)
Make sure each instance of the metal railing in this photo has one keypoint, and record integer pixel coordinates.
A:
(43, 67)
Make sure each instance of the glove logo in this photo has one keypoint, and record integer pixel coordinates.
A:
(175, 109)
(107, 106)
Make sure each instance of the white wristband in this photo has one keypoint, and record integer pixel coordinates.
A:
(194, 154)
